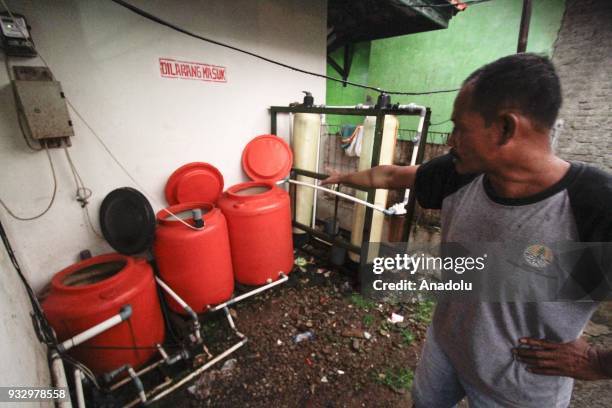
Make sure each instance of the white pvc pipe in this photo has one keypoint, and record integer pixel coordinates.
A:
(410, 107)
(139, 373)
(161, 386)
(59, 378)
(163, 353)
(283, 279)
(199, 370)
(346, 196)
(173, 294)
(184, 305)
(78, 385)
(360, 106)
(125, 313)
(228, 315)
(314, 191)
(141, 392)
(413, 107)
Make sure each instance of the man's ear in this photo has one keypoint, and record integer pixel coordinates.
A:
(508, 125)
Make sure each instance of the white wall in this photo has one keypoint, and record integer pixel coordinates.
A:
(24, 359)
(106, 58)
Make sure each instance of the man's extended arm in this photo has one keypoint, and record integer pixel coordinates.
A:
(386, 176)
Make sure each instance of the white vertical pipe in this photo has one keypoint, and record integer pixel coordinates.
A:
(78, 385)
(59, 378)
(314, 191)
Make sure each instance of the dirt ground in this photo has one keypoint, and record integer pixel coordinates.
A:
(350, 355)
(354, 356)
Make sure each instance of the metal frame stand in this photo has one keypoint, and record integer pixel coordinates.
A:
(379, 113)
(169, 385)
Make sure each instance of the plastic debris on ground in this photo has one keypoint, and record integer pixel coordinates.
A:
(307, 335)
(229, 365)
(203, 386)
(395, 318)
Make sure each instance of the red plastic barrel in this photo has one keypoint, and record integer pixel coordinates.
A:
(93, 290)
(196, 264)
(259, 223)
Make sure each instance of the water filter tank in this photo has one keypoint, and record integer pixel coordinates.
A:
(305, 145)
(387, 151)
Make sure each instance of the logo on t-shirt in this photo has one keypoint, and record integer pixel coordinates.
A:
(538, 256)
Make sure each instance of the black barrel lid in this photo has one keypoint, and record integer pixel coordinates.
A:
(127, 220)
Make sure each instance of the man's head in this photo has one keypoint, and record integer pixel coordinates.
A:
(504, 108)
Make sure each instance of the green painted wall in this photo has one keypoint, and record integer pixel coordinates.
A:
(443, 59)
(338, 94)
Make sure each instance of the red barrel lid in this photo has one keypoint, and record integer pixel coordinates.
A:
(267, 158)
(194, 182)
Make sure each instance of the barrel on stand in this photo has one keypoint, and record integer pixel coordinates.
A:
(94, 290)
(195, 262)
(259, 222)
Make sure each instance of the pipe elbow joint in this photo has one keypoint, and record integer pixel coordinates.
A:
(125, 312)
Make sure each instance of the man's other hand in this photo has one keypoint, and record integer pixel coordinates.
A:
(575, 359)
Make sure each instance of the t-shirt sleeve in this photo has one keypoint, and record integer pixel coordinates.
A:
(436, 180)
(591, 201)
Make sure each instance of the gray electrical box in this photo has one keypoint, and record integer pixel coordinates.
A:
(43, 109)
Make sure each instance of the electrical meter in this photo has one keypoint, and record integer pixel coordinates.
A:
(16, 39)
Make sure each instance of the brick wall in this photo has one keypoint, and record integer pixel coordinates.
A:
(583, 57)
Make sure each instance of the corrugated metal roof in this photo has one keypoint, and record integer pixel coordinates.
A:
(351, 21)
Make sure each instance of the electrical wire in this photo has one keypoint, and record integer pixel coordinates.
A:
(51, 201)
(103, 145)
(158, 20)
(122, 167)
(84, 369)
(167, 24)
(83, 194)
(44, 330)
(20, 120)
(23, 133)
(42, 327)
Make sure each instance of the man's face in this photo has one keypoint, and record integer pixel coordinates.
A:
(472, 143)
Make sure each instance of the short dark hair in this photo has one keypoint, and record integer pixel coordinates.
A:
(527, 82)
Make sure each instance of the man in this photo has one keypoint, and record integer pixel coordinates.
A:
(502, 182)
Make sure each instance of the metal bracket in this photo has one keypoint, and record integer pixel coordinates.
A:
(347, 62)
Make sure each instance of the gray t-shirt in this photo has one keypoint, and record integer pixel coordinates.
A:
(478, 337)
